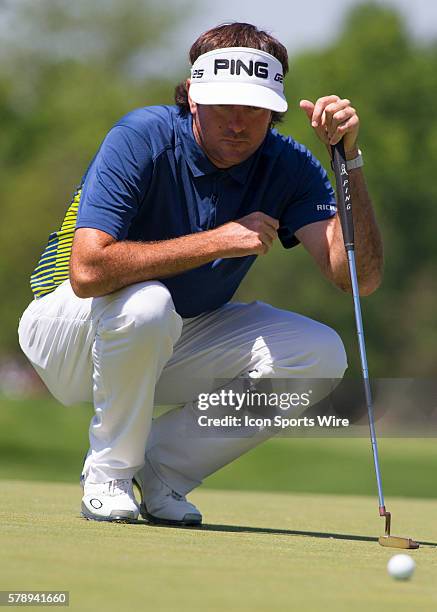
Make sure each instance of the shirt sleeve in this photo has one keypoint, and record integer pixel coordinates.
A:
(313, 200)
(116, 182)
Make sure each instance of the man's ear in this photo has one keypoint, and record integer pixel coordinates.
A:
(192, 104)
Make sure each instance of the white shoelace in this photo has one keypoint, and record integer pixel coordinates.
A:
(119, 487)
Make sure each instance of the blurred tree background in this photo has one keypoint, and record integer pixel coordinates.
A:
(393, 84)
(68, 71)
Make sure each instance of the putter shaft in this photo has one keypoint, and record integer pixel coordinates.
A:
(365, 372)
(346, 218)
(387, 539)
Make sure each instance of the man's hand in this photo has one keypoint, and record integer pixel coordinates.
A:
(333, 119)
(251, 235)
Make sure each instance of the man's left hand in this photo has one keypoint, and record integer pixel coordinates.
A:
(333, 119)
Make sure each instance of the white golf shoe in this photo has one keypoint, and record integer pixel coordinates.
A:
(160, 504)
(109, 501)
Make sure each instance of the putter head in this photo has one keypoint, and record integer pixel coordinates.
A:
(394, 541)
(397, 542)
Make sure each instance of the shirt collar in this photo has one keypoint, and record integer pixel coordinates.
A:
(199, 163)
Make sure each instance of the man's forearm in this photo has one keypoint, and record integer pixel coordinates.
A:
(100, 264)
(368, 243)
(124, 263)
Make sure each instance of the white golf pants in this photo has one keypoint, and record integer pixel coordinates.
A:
(130, 350)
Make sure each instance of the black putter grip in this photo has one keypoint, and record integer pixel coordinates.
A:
(344, 198)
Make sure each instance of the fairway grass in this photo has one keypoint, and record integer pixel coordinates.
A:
(256, 551)
(41, 440)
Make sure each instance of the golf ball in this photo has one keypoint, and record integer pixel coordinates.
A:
(401, 567)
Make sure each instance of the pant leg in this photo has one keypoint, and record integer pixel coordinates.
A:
(110, 350)
(56, 333)
(236, 340)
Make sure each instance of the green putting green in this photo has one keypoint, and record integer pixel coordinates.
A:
(256, 551)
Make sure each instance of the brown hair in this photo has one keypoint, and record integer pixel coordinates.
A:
(233, 35)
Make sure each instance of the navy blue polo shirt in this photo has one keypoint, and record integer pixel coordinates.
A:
(151, 181)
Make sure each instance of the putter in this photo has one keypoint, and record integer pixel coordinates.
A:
(344, 204)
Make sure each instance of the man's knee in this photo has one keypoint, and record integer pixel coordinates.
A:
(329, 353)
(143, 310)
(313, 350)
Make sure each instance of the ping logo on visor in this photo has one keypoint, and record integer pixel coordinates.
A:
(238, 75)
(259, 69)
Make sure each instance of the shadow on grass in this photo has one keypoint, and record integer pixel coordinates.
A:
(292, 532)
(272, 531)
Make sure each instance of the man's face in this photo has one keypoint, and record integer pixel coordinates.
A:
(227, 133)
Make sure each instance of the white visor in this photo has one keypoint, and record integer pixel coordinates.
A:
(238, 75)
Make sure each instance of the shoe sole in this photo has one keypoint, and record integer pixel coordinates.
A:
(189, 520)
(121, 516)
